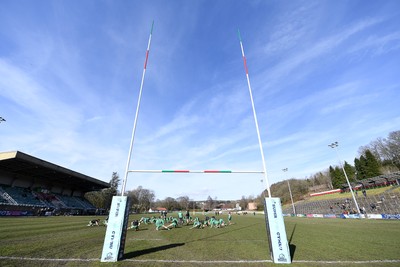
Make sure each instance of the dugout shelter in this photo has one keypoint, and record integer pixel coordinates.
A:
(32, 186)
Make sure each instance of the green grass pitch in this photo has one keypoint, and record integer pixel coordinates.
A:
(67, 241)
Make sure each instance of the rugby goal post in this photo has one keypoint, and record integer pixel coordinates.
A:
(114, 241)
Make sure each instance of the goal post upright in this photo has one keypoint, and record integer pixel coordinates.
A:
(137, 112)
(275, 225)
(114, 240)
(255, 116)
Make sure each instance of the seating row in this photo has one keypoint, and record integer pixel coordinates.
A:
(388, 202)
(26, 197)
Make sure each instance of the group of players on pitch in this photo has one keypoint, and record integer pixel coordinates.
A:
(171, 222)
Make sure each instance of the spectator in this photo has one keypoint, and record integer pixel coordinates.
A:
(364, 193)
(362, 210)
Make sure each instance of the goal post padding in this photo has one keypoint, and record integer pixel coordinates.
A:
(114, 240)
(279, 247)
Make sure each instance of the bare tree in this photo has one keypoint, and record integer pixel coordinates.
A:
(183, 202)
(393, 148)
(209, 203)
(243, 203)
(170, 203)
(141, 198)
(387, 150)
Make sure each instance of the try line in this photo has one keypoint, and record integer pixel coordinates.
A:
(205, 261)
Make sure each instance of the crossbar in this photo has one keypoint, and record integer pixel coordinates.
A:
(193, 171)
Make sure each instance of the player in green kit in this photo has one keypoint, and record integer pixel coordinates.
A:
(197, 224)
(160, 224)
(229, 218)
(180, 217)
(173, 224)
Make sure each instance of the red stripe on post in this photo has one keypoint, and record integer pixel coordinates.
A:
(147, 56)
(245, 65)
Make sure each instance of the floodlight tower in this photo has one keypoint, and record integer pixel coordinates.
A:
(290, 192)
(334, 145)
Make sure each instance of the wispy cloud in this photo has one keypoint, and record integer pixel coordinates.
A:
(376, 45)
(300, 60)
(289, 29)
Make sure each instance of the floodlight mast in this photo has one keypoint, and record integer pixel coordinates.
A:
(334, 145)
(255, 117)
(290, 192)
(137, 113)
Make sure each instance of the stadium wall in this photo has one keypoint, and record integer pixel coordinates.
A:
(326, 192)
(15, 210)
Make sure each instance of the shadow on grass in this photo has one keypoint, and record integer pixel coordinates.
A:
(151, 250)
(292, 247)
(140, 229)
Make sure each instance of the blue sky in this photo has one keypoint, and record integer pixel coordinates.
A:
(321, 71)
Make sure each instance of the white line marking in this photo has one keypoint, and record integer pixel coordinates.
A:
(45, 259)
(204, 262)
(348, 262)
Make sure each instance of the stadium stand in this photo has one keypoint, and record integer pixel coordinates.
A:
(378, 181)
(22, 196)
(387, 202)
(384, 203)
(34, 186)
